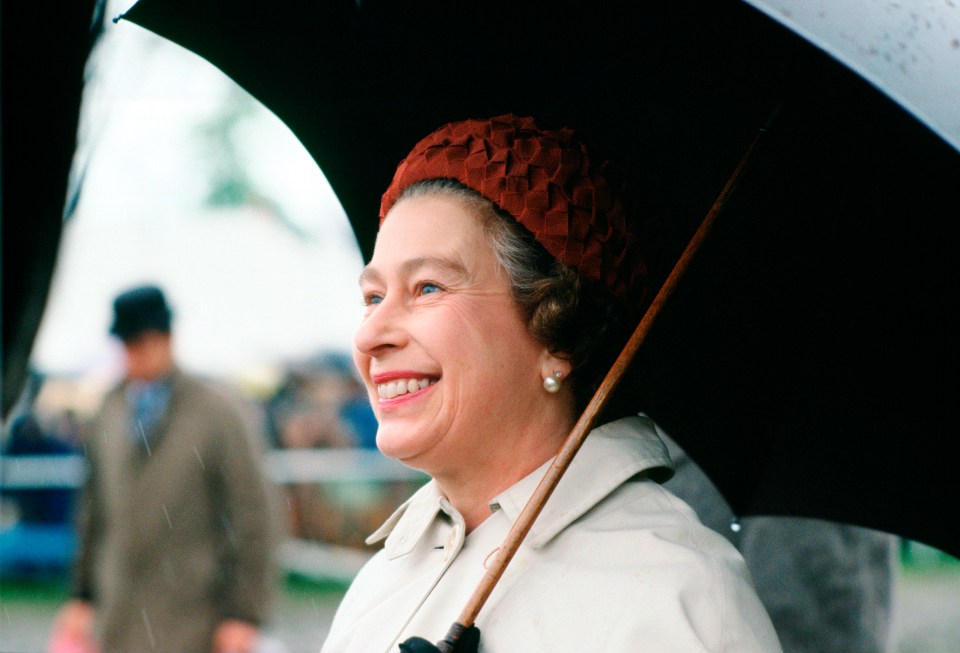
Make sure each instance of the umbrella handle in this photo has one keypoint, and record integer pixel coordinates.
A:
(585, 424)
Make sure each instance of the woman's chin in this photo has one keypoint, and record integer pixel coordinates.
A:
(399, 444)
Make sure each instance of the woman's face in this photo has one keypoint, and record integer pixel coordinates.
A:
(452, 373)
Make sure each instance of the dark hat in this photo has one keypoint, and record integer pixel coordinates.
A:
(140, 309)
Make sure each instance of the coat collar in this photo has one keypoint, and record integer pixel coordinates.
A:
(610, 455)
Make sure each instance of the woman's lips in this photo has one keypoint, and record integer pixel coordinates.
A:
(403, 386)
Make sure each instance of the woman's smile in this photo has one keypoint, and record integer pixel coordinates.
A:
(402, 387)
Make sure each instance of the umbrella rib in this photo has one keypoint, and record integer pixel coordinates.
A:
(600, 398)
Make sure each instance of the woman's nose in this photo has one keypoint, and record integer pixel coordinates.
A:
(381, 329)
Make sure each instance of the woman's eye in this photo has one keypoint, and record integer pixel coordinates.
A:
(429, 288)
(372, 300)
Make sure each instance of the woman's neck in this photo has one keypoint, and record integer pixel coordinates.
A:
(470, 489)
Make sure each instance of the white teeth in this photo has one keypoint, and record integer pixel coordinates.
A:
(401, 387)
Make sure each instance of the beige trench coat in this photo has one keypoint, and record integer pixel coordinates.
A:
(613, 564)
(176, 538)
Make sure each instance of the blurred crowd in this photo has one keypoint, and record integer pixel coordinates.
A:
(320, 402)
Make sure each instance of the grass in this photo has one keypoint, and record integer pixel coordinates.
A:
(298, 585)
(35, 590)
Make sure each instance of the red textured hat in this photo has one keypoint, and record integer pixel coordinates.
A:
(545, 180)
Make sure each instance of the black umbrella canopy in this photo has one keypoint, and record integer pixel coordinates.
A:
(359, 83)
(803, 360)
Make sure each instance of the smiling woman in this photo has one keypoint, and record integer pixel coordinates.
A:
(503, 255)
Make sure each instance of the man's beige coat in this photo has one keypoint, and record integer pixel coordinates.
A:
(176, 533)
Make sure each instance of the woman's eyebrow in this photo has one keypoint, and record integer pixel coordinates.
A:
(368, 274)
(410, 266)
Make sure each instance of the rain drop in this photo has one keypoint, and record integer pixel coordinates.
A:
(146, 623)
(143, 436)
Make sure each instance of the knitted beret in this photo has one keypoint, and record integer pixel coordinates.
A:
(546, 180)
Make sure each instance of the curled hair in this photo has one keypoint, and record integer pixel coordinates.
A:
(573, 318)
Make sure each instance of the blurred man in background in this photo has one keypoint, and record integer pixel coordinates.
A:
(177, 542)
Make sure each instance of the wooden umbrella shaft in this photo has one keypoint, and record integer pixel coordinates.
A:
(586, 422)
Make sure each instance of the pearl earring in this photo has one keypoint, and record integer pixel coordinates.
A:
(552, 383)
